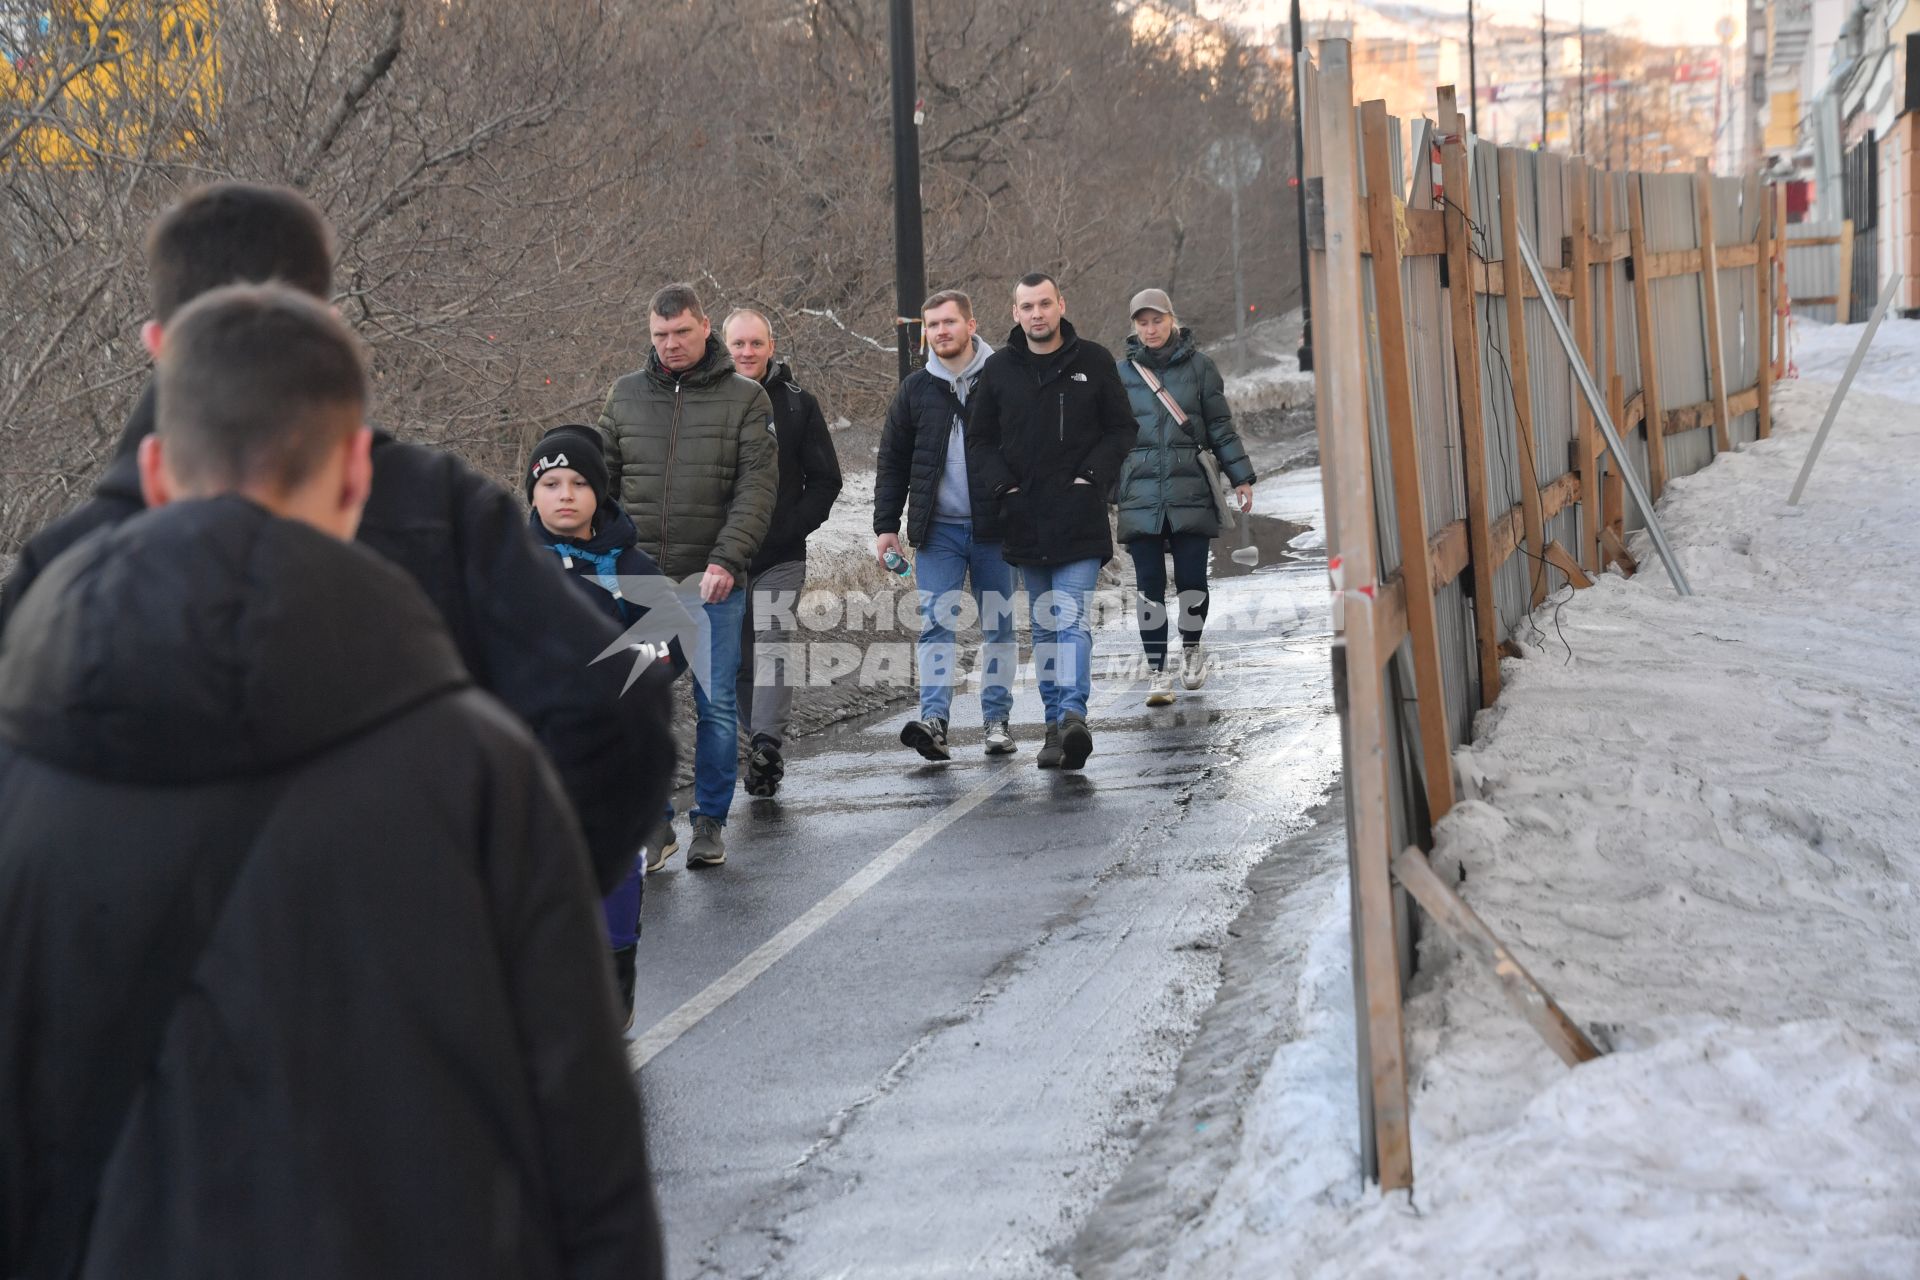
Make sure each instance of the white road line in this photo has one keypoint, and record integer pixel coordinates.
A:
(661, 1035)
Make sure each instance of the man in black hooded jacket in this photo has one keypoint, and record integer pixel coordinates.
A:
(522, 630)
(300, 970)
(1050, 427)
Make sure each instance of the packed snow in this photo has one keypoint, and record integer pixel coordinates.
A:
(1694, 821)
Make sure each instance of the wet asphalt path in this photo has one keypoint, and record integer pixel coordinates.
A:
(941, 1063)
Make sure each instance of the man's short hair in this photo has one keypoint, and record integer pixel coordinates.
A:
(677, 299)
(945, 296)
(235, 233)
(256, 384)
(739, 312)
(1034, 279)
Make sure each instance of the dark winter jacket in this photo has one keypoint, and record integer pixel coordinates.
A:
(913, 458)
(809, 470)
(525, 634)
(390, 1048)
(695, 461)
(598, 564)
(1161, 481)
(1039, 423)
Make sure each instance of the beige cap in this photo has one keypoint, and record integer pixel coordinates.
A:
(1151, 300)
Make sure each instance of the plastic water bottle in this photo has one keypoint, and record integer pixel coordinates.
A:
(897, 563)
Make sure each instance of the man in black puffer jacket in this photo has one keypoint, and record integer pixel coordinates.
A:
(809, 482)
(953, 523)
(300, 974)
(1051, 426)
(522, 630)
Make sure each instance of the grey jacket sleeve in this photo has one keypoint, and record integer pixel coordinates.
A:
(610, 438)
(756, 484)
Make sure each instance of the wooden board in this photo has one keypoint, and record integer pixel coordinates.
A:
(1686, 262)
(1589, 433)
(1843, 301)
(1458, 921)
(1764, 315)
(1511, 270)
(1426, 233)
(1466, 365)
(1410, 506)
(1348, 471)
(1489, 281)
(1649, 343)
(1710, 292)
(1562, 559)
(1612, 492)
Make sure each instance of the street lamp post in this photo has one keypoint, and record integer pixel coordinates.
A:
(909, 246)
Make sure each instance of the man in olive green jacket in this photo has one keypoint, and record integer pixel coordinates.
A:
(692, 456)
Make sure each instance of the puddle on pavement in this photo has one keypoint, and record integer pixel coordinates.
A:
(1268, 535)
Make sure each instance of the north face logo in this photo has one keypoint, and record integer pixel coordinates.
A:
(1076, 377)
(770, 430)
(547, 464)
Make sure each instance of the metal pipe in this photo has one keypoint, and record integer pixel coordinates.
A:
(1300, 193)
(1598, 403)
(1840, 392)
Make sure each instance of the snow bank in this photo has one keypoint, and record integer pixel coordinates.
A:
(1694, 820)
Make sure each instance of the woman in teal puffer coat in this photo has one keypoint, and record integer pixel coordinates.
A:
(1165, 505)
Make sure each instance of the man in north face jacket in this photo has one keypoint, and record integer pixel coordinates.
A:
(693, 455)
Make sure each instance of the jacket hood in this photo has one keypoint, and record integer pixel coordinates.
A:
(616, 531)
(1178, 350)
(981, 350)
(213, 640)
(1017, 343)
(777, 371)
(714, 366)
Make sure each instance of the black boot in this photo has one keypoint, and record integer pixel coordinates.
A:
(623, 973)
(765, 768)
(1076, 740)
(1050, 753)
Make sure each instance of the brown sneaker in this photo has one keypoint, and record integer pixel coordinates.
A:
(709, 848)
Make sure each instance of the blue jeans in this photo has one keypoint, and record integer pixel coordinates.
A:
(1061, 597)
(940, 569)
(716, 747)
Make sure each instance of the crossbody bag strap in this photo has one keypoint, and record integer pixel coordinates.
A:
(1166, 398)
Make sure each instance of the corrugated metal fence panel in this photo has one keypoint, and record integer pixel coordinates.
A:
(1679, 318)
(1736, 221)
(1386, 526)
(1813, 271)
(1442, 471)
(1546, 180)
(1496, 383)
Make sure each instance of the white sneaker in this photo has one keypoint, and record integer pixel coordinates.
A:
(1160, 690)
(1193, 667)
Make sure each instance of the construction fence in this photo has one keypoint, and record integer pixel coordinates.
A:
(1466, 479)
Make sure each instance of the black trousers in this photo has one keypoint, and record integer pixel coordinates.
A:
(1189, 579)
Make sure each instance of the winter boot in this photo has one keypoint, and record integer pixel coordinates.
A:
(1050, 753)
(1193, 666)
(928, 737)
(1076, 740)
(623, 972)
(709, 847)
(765, 768)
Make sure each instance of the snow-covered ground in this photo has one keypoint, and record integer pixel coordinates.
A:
(1694, 820)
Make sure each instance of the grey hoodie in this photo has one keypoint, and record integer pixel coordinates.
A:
(953, 502)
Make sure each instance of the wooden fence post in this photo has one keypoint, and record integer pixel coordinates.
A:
(1782, 298)
(1511, 275)
(1370, 834)
(1591, 555)
(1410, 504)
(1843, 309)
(1763, 331)
(1649, 343)
(1613, 498)
(1466, 364)
(1710, 291)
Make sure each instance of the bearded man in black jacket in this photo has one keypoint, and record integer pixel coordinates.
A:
(524, 632)
(301, 969)
(1050, 427)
